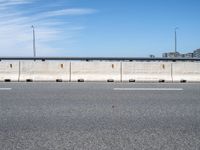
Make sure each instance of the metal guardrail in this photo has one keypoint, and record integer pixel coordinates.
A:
(100, 58)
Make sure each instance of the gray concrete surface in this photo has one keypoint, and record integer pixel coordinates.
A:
(96, 71)
(62, 116)
(44, 70)
(147, 71)
(52, 70)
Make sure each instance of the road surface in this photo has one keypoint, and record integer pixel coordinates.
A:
(99, 116)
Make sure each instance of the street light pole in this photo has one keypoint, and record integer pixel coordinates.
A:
(175, 39)
(34, 48)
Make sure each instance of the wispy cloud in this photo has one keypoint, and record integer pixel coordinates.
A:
(16, 33)
(65, 12)
(4, 4)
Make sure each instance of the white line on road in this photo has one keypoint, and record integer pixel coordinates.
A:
(5, 89)
(148, 89)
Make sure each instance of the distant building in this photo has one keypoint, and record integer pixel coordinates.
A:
(152, 56)
(171, 55)
(187, 55)
(196, 53)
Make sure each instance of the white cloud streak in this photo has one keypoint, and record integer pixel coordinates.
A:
(16, 32)
(4, 4)
(66, 12)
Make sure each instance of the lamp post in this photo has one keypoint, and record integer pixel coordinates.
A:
(175, 32)
(34, 48)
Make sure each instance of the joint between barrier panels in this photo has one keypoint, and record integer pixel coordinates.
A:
(121, 71)
(70, 72)
(19, 72)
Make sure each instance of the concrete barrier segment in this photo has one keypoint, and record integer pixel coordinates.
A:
(57, 71)
(9, 71)
(146, 72)
(186, 71)
(95, 71)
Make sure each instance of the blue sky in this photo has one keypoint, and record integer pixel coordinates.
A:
(112, 28)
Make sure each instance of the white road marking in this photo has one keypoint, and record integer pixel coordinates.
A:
(5, 89)
(148, 89)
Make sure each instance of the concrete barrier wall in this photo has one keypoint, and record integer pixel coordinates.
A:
(44, 71)
(147, 71)
(95, 71)
(9, 70)
(188, 71)
(99, 71)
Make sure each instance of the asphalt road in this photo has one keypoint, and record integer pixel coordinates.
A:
(99, 116)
